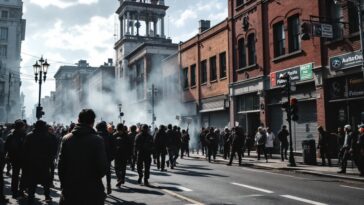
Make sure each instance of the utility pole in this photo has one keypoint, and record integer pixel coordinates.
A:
(8, 104)
(153, 113)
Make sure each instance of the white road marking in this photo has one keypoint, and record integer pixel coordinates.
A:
(254, 188)
(254, 170)
(183, 188)
(182, 197)
(303, 200)
(351, 187)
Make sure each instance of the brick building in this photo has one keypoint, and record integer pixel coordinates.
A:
(205, 75)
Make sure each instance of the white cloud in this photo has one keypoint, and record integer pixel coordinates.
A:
(62, 3)
(184, 17)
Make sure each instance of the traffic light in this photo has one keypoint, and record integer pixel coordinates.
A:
(294, 109)
(39, 112)
(305, 31)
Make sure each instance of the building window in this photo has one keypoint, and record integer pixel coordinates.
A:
(203, 72)
(241, 53)
(251, 49)
(293, 33)
(3, 50)
(213, 72)
(335, 14)
(239, 2)
(279, 38)
(248, 102)
(185, 77)
(353, 18)
(4, 14)
(193, 75)
(222, 59)
(3, 33)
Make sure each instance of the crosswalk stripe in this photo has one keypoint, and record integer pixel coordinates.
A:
(254, 188)
(303, 200)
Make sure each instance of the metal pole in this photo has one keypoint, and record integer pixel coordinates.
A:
(292, 162)
(153, 116)
(40, 90)
(8, 104)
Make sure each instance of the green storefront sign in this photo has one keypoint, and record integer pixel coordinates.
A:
(306, 71)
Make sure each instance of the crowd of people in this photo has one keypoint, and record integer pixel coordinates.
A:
(84, 155)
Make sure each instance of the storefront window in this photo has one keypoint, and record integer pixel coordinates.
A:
(248, 102)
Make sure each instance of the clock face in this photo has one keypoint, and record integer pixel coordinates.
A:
(336, 63)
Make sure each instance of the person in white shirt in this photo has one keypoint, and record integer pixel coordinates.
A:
(269, 143)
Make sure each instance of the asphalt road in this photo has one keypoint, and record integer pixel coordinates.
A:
(196, 181)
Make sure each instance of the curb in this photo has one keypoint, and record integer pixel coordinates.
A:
(315, 173)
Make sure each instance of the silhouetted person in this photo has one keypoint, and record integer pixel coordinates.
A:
(81, 174)
(132, 134)
(260, 140)
(323, 145)
(39, 151)
(226, 137)
(237, 143)
(185, 143)
(3, 200)
(359, 155)
(144, 149)
(283, 138)
(203, 141)
(15, 153)
(172, 145)
(347, 148)
(109, 148)
(212, 144)
(160, 143)
(124, 148)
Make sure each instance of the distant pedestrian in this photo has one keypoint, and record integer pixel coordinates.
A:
(132, 134)
(81, 174)
(124, 148)
(359, 153)
(160, 143)
(347, 147)
(185, 149)
(144, 149)
(227, 143)
(283, 138)
(323, 145)
(269, 144)
(260, 140)
(203, 141)
(237, 143)
(212, 143)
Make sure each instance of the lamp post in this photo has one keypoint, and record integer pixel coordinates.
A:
(120, 113)
(360, 9)
(40, 72)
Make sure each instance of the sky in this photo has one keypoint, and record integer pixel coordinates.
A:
(65, 31)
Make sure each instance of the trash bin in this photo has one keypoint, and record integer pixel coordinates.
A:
(309, 152)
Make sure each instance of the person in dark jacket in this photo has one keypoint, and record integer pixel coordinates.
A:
(144, 149)
(15, 153)
(359, 155)
(226, 137)
(101, 128)
(122, 154)
(283, 138)
(185, 143)
(3, 199)
(39, 151)
(133, 133)
(323, 145)
(203, 142)
(160, 143)
(172, 145)
(236, 140)
(81, 174)
(212, 143)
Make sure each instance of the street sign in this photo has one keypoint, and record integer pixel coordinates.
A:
(323, 30)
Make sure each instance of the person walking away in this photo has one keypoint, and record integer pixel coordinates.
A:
(236, 140)
(122, 154)
(55, 145)
(249, 143)
(144, 149)
(283, 138)
(340, 142)
(172, 145)
(14, 148)
(260, 139)
(347, 148)
(3, 199)
(81, 174)
(323, 145)
(185, 143)
(133, 133)
(203, 142)
(269, 144)
(212, 143)
(160, 143)
(40, 151)
(226, 143)
(359, 156)
(101, 128)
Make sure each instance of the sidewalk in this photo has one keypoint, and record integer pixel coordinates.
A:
(276, 163)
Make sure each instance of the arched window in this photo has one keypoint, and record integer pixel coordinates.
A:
(251, 49)
(241, 53)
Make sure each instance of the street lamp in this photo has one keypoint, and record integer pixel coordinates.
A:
(360, 7)
(121, 114)
(40, 72)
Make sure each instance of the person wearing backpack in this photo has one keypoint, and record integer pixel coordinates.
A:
(260, 140)
(144, 150)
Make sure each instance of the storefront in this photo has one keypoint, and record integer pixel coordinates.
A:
(345, 91)
(247, 108)
(215, 112)
(305, 92)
